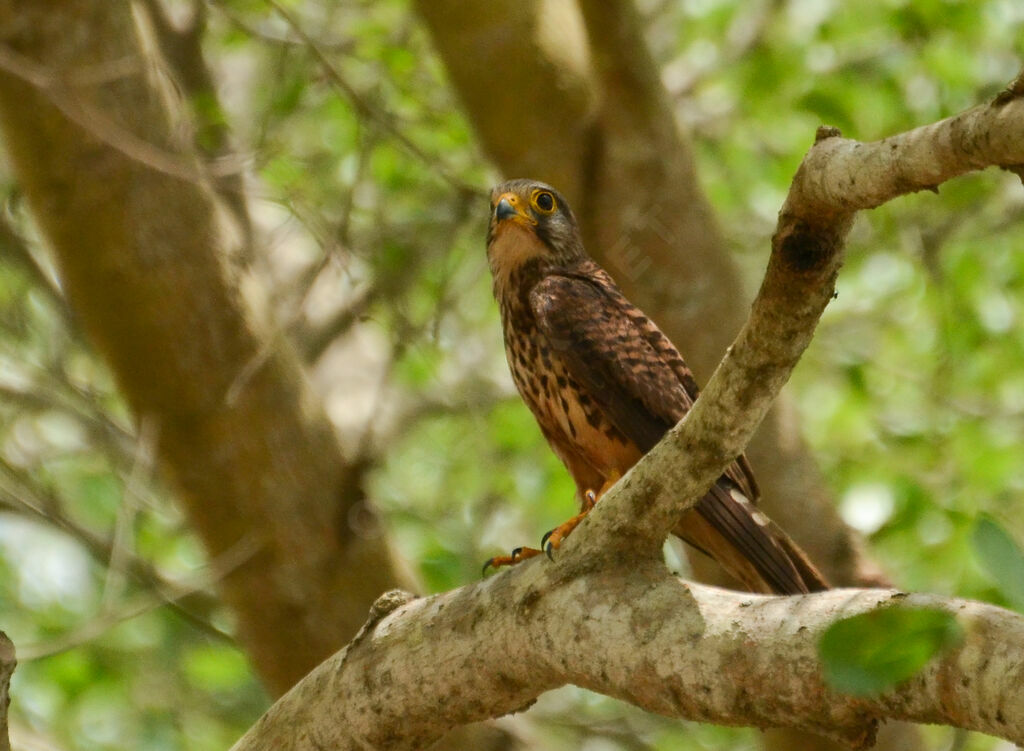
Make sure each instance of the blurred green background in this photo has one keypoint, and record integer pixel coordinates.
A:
(911, 396)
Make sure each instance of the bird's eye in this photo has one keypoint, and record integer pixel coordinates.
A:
(544, 201)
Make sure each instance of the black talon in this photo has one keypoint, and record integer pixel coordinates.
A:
(546, 546)
(513, 558)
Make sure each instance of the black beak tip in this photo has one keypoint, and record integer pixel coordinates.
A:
(504, 209)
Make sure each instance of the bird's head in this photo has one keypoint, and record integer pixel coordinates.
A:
(530, 222)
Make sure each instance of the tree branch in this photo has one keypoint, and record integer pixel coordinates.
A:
(837, 177)
(678, 649)
(182, 51)
(608, 616)
(19, 495)
(369, 109)
(843, 175)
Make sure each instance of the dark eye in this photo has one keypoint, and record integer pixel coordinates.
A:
(544, 201)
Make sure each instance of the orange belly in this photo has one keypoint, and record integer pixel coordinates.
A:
(592, 449)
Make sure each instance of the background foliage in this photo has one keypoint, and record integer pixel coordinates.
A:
(366, 188)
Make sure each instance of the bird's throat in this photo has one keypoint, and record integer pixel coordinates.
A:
(513, 248)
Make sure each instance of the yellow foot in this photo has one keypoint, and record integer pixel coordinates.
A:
(517, 555)
(553, 539)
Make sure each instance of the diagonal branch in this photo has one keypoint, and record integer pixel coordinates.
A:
(837, 177)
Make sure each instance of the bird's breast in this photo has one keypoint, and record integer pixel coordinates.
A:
(570, 417)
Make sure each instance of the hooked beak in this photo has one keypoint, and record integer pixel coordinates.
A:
(504, 210)
(508, 207)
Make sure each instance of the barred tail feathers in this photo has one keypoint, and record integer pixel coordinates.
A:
(749, 545)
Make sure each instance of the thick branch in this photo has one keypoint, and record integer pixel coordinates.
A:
(842, 175)
(681, 650)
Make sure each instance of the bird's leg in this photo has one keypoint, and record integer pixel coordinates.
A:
(553, 539)
(517, 555)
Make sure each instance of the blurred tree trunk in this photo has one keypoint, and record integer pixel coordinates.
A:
(567, 92)
(144, 260)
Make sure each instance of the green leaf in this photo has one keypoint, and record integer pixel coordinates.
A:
(869, 653)
(1001, 558)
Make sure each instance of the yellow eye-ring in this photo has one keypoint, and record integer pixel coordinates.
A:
(543, 201)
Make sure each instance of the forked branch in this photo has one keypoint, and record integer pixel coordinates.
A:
(607, 615)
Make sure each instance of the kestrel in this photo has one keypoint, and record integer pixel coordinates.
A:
(605, 385)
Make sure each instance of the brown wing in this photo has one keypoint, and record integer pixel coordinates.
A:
(631, 370)
(585, 311)
(594, 336)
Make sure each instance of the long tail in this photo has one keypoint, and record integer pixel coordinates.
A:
(749, 545)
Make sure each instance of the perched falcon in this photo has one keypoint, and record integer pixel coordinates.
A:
(605, 384)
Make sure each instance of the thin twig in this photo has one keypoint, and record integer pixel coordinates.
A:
(143, 604)
(15, 249)
(63, 95)
(183, 52)
(21, 495)
(370, 110)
